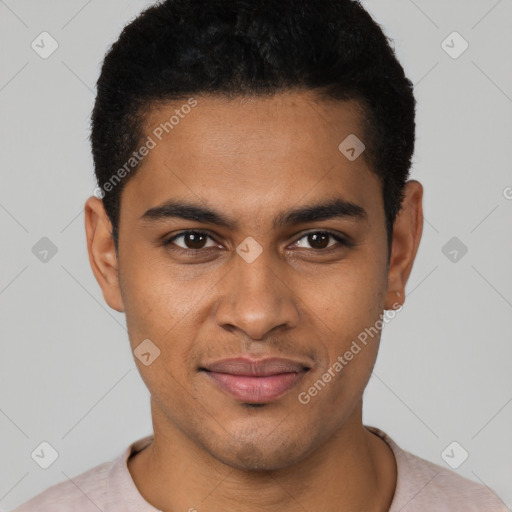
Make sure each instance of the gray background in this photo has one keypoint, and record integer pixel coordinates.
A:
(443, 374)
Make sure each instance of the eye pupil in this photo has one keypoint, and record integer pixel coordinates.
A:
(192, 240)
(314, 238)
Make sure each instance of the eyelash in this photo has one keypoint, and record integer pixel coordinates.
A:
(168, 243)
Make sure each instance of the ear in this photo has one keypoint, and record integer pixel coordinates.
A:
(407, 231)
(102, 254)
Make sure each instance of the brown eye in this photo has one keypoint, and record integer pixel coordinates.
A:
(194, 240)
(319, 240)
(191, 240)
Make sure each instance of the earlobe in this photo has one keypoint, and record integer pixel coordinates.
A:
(102, 254)
(407, 231)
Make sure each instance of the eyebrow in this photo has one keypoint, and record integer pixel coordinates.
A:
(336, 208)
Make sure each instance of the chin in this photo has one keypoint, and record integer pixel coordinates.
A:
(263, 457)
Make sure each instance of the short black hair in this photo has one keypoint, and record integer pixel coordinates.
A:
(178, 48)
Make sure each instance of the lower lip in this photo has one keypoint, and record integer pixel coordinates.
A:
(256, 390)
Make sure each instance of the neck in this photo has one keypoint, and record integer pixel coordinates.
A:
(353, 470)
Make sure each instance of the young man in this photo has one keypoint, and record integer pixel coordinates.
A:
(255, 224)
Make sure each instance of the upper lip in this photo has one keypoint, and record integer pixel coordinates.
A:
(256, 368)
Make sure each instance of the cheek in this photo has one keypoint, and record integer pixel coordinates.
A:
(161, 307)
(352, 347)
(353, 314)
(156, 297)
(353, 297)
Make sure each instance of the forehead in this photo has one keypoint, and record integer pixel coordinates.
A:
(249, 155)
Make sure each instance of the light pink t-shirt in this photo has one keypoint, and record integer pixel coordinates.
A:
(421, 487)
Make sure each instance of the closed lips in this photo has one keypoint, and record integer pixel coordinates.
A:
(256, 368)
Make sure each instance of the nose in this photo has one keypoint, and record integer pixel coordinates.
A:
(257, 297)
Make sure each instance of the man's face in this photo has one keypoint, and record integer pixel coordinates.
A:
(290, 291)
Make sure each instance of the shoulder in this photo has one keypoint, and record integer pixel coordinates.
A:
(424, 486)
(96, 489)
(83, 493)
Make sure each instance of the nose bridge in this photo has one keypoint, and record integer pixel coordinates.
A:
(254, 298)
